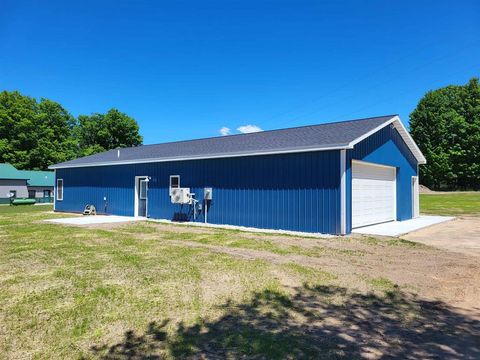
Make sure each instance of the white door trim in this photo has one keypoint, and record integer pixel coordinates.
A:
(136, 194)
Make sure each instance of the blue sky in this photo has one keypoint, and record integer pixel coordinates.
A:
(186, 69)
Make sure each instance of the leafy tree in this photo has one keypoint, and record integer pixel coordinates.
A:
(34, 135)
(446, 126)
(17, 128)
(55, 140)
(100, 132)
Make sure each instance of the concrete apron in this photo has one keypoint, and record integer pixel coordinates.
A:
(95, 219)
(397, 228)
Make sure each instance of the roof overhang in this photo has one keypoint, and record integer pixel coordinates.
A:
(201, 157)
(13, 178)
(395, 121)
(407, 138)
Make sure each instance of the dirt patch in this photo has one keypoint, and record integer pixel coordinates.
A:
(432, 274)
(460, 235)
(325, 322)
(425, 190)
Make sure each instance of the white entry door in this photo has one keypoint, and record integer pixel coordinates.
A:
(415, 197)
(141, 196)
(373, 194)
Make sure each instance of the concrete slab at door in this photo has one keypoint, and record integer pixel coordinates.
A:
(397, 228)
(89, 220)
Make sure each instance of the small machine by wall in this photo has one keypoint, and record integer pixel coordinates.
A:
(90, 210)
(181, 196)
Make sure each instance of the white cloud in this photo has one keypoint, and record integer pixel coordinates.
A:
(224, 131)
(247, 129)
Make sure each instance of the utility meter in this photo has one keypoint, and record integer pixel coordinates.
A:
(207, 193)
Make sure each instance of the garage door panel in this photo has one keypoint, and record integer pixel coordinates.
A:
(373, 194)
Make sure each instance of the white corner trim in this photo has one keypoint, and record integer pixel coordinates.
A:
(54, 190)
(343, 192)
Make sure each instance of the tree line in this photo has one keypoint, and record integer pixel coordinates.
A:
(446, 127)
(37, 133)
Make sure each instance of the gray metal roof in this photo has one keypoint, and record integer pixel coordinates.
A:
(335, 135)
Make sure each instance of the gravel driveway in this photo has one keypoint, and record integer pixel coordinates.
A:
(460, 235)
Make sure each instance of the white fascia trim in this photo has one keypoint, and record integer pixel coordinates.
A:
(403, 133)
(409, 141)
(156, 160)
(371, 132)
(343, 192)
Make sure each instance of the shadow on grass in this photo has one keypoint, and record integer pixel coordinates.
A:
(323, 322)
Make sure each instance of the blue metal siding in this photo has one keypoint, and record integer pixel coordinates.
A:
(385, 147)
(297, 192)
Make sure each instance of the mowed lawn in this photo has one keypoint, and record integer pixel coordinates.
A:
(146, 290)
(451, 203)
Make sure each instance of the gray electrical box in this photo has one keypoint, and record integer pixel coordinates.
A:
(207, 193)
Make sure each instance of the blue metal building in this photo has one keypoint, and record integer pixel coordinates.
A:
(325, 178)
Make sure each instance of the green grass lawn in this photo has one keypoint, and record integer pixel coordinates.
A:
(454, 204)
(154, 291)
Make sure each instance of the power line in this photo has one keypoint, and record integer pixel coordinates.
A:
(385, 100)
(375, 86)
(346, 84)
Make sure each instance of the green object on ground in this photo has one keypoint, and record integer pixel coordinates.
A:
(44, 200)
(24, 202)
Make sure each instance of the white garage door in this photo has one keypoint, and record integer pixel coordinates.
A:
(373, 194)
